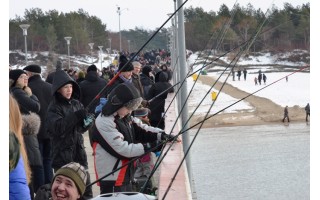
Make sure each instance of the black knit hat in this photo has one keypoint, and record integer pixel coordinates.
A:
(146, 69)
(122, 61)
(15, 74)
(124, 94)
(92, 68)
(33, 68)
(76, 172)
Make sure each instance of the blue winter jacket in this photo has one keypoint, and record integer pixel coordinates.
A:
(18, 186)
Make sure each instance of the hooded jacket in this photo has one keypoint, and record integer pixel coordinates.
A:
(64, 126)
(157, 105)
(90, 87)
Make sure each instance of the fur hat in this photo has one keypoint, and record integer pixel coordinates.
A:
(122, 61)
(76, 172)
(124, 94)
(15, 74)
(92, 68)
(33, 68)
(30, 124)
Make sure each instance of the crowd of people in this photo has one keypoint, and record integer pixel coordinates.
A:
(48, 116)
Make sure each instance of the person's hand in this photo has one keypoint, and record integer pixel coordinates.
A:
(167, 137)
(27, 90)
(88, 120)
(152, 145)
(145, 103)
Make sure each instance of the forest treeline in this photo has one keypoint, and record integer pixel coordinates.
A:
(280, 29)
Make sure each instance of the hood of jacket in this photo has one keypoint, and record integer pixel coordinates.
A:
(161, 77)
(61, 78)
(30, 124)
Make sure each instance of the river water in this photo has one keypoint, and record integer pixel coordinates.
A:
(252, 162)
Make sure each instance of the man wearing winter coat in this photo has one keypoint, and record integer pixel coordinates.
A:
(65, 120)
(42, 90)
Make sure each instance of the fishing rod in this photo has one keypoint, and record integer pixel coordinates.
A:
(158, 160)
(239, 53)
(97, 97)
(157, 164)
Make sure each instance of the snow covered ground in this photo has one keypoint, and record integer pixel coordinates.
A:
(294, 92)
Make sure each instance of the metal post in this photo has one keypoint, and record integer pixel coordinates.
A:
(68, 43)
(24, 28)
(110, 45)
(129, 46)
(184, 91)
(91, 47)
(119, 12)
(100, 47)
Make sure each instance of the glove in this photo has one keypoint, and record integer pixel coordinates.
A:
(167, 137)
(150, 145)
(81, 114)
(157, 153)
(87, 122)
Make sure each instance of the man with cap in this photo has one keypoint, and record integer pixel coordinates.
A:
(42, 90)
(90, 87)
(118, 137)
(69, 182)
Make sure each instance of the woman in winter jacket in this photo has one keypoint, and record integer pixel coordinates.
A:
(157, 105)
(65, 120)
(19, 177)
(120, 137)
(29, 105)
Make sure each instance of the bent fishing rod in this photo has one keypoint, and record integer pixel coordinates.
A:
(104, 90)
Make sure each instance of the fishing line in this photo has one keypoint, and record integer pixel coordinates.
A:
(202, 122)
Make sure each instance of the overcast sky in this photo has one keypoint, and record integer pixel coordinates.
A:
(147, 14)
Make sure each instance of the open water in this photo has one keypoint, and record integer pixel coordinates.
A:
(268, 162)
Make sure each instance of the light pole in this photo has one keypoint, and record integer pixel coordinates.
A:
(110, 45)
(68, 43)
(24, 29)
(100, 47)
(129, 46)
(119, 12)
(91, 47)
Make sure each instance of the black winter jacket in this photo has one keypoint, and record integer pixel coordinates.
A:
(42, 90)
(90, 87)
(157, 105)
(64, 127)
